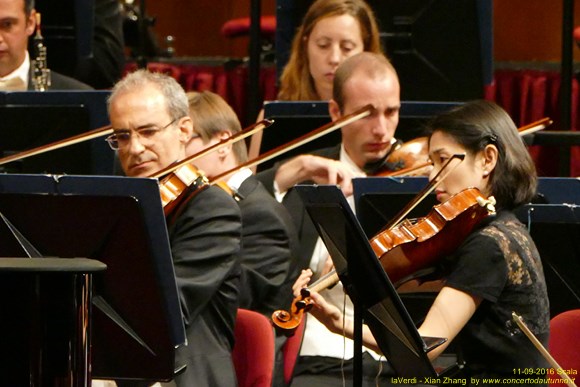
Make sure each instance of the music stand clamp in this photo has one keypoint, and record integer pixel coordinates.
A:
(369, 287)
(137, 318)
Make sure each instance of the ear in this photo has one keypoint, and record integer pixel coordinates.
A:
(334, 110)
(31, 23)
(185, 129)
(223, 135)
(489, 159)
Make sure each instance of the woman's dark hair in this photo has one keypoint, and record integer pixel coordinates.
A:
(476, 124)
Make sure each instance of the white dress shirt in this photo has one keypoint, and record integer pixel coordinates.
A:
(318, 340)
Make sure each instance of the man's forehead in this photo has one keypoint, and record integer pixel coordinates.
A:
(145, 98)
(365, 76)
(12, 8)
(358, 91)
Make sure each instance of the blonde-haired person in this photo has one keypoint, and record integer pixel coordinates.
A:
(268, 256)
(331, 31)
(269, 239)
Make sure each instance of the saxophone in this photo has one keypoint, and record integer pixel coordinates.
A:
(40, 72)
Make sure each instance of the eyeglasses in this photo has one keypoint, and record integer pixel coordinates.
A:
(122, 137)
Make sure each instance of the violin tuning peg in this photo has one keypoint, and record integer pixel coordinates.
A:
(490, 206)
(488, 203)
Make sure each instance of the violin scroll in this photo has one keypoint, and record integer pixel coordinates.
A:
(287, 322)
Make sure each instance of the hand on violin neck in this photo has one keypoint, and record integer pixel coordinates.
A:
(318, 169)
(301, 282)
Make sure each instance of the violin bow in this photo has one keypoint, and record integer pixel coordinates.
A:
(530, 335)
(221, 144)
(323, 130)
(102, 131)
(535, 126)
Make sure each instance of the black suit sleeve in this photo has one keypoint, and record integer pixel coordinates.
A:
(267, 242)
(267, 178)
(205, 242)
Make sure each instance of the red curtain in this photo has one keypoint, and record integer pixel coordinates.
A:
(527, 95)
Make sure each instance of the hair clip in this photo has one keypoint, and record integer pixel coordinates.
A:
(492, 138)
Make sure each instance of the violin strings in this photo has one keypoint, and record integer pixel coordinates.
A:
(439, 177)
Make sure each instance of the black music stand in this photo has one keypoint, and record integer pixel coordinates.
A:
(369, 287)
(119, 221)
(47, 317)
(29, 119)
(555, 229)
(68, 32)
(378, 199)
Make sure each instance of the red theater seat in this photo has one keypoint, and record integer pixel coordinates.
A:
(253, 352)
(564, 341)
(241, 27)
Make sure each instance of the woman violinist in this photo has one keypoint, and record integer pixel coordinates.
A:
(497, 269)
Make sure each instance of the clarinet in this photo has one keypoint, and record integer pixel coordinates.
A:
(40, 71)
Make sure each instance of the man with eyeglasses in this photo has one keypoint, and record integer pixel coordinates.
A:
(149, 114)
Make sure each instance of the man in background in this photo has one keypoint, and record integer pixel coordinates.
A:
(366, 78)
(17, 24)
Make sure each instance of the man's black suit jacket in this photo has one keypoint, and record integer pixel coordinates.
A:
(269, 244)
(205, 243)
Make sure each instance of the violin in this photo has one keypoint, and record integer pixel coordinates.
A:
(182, 177)
(411, 246)
(410, 153)
(178, 177)
(410, 158)
(173, 186)
(408, 247)
(288, 321)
